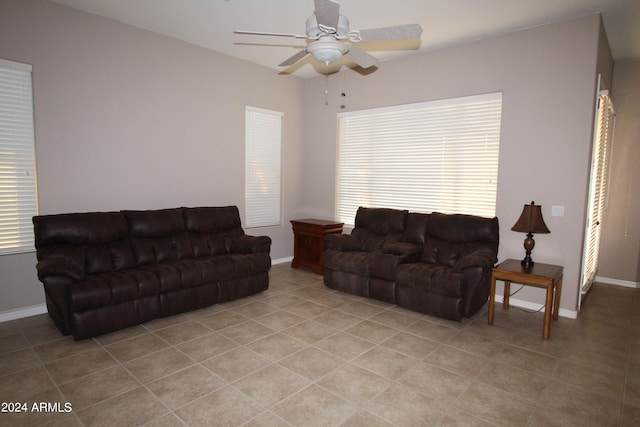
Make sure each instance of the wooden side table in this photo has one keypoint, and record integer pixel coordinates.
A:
(308, 241)
(540, 275)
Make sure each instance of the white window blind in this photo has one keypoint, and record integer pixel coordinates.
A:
(601, 153)
(263, 154)
(18, 200)
(439, 156)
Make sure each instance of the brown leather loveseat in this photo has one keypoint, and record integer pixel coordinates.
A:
(434, 263)
(105, 271)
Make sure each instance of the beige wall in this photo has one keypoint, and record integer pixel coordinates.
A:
(548, 79)
(620, 247)
(128, 119)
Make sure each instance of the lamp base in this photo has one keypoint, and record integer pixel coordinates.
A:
(529, 244)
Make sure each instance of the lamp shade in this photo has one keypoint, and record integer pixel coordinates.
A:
(531, 220)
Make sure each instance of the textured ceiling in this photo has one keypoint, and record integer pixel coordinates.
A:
(210, 23)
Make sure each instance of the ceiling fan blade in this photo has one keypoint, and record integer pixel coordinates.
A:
(361, 57)
(262, 33)
(327, 13)
(295, 58)
(400, 32)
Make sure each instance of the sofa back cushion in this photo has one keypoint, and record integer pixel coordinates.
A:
(450, 237)
(416, 228)
(377, 226)
(158, 235)
(96, 242)
(211, 229)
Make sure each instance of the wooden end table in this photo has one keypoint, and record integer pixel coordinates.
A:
(540, 275)
(308, 242)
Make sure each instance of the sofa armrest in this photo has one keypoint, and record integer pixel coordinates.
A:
(250, 244)
(58, 266)
(343, 243)
(482, 258)
(476, 268)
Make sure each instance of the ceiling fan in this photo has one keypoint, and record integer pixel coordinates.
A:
(331, 39)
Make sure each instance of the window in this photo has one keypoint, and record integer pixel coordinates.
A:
(598, 186)
(18, 200)
(263, 142)
(434, 156)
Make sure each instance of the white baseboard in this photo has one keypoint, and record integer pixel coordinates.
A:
(617, 282)
(281, 260)
(19, 313)
(571, 314)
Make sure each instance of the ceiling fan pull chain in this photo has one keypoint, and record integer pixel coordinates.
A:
(326, 88)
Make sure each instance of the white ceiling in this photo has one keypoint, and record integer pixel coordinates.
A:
(210, 23)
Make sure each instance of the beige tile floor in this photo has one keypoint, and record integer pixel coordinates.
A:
(301, 354)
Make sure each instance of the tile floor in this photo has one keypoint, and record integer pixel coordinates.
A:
(301, 354)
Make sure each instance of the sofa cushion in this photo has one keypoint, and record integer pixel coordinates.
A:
(158, 235)
(155, 223)
(381, 220)
(213, 219)
(95, 242)
(416, 228)
(376, 226)
(79, 228)
(451, 237)
(211, 229)
(463, 228)
(441, 252)
(437, 279)
(206, 244)
(109, 256)
(176, 274)
(104, 289)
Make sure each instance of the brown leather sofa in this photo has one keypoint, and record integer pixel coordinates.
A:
(434, 263)
(105, 271)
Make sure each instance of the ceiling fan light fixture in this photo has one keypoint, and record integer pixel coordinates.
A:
(329, 38)
(327, 51)
(327, 55)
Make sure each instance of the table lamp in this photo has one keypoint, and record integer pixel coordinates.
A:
(530, 222)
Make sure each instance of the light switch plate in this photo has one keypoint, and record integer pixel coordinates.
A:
(557, 210)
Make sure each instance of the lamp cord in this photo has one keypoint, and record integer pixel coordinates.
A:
(523, 309)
